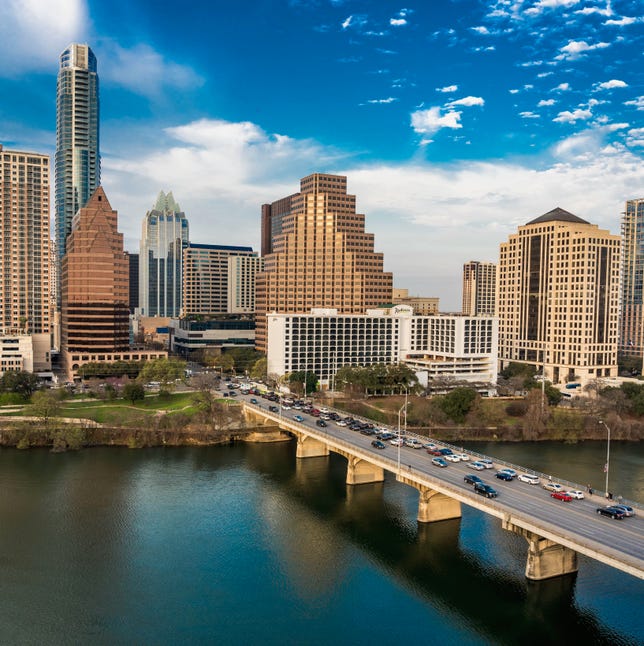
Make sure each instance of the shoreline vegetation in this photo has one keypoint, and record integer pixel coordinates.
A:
(198, 418)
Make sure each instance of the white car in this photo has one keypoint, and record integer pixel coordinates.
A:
(529, 478)
(464, 457)
(414, 443)
(577, 495)
(552, 486)
(397, 441)
(341, 422)
(452, 457)
(487, 464)
(477, 466)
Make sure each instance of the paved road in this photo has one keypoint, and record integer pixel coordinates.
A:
(575, 521)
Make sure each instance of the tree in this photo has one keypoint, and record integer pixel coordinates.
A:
(20, 382)
(165, 371)
(259, 369)
(225, 362)
(296, 379)
(133, 392)
(44, 405)
(458, 403)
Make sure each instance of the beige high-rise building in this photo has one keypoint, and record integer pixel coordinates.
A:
(319, 255)
(558, 298)
(422, 305)
(479, 288)
(25, 300)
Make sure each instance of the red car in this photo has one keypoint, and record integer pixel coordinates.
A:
(561, 495)
(435, 452)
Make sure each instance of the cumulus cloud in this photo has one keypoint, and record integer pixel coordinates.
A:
(467, 101)
(545, 102)
(576, 48)
(529, 115)
(481, 30)
(622, 22)
(609, 85)
(355, 20)
(447, 88)
(389, 99)
(397, 22)
(637, 103)
(33, 33)
(562, 87)
(572, 117)
(143, 70)
(542, 5)
(432, 120)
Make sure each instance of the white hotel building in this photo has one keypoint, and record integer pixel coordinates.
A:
(459, 347)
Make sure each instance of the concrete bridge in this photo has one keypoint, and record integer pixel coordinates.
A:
(555, 535)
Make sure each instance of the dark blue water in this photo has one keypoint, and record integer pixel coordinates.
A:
(246, 544)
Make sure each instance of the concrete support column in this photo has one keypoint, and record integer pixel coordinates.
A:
(434, 506)
(362, 472)
(308, 447)
(546, 559)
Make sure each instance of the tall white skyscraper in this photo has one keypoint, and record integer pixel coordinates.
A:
(164, 236)
(77, 166)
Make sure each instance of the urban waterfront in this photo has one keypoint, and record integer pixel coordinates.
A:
(247, 544)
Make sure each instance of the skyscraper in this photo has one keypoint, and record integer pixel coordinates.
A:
(558, 298)
(24, 243)
(164, 236)
(479, 288)
(78, 166)
(319, 254)
(95, 285)
(631, 332)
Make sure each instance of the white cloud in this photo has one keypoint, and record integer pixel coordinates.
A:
(623, 22)
(576, 48)
(606, 11)
(609, 85)
(529, 115)
(222, 172)
(142, 70)
(562, 87)
(545, 102)
(429, 121)
(467, 101)
(514, 91)
(447, 88)
(541, 5)
(531, 64)
(397, 22)
(481, 30)
(389, 99)
(347, 22)
(33, 33)
(572, 117)
(638, 102)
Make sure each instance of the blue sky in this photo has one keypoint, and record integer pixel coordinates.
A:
(454, 120)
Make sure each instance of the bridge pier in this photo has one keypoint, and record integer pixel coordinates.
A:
(362, 472)
(546, 559)
(433, 505)
(308, 447)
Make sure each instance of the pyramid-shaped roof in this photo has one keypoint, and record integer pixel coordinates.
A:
(558, 215)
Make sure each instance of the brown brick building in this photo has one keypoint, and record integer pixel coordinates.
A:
(317, 254)
(95, 289)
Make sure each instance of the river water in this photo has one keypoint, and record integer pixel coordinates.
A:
(245, 544)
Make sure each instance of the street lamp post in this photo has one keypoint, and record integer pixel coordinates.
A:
(403, 407)
(607, 465)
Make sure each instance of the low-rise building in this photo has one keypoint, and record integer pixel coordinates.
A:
(443, 346)
(212, 333)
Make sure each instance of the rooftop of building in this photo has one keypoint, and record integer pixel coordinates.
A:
(558, 215)
(218, 247)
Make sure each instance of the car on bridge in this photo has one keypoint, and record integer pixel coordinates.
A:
(504, 475)
(463, 457)
(629, 511)
(485, 490)
(577, 495)
(511, 472)
(439, 462)
(397, 441)
(552, 486)
(446, 451)
(477, 466)
(298, 418)
(321, 423)
(561, 495)
(529, 478)
(378, 444)
(253, 401)
(413, 443)
(435, 452)
(472, 478)
(487, 464)
(452, 457)
(273, 409)
(613, 512)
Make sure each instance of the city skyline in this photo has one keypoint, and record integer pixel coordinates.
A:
(454, 124)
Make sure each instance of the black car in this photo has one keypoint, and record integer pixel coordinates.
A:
(273, 409)
(485, 490)
(321, 423)
(613, 512)
(472, 479)
(368, 431)
(378, 444)
(445, 451)
(504, 475)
